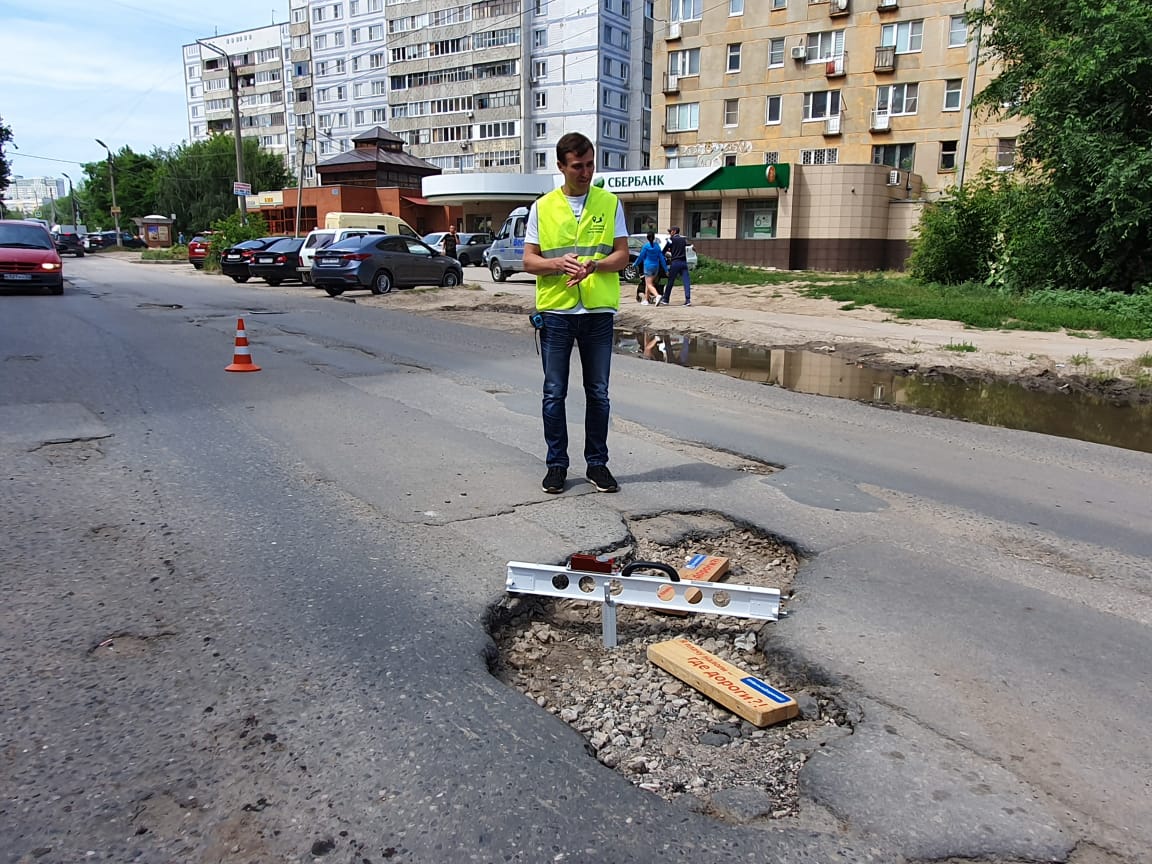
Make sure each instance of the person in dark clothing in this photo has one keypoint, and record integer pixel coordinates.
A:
(449, 242)
(677, 251)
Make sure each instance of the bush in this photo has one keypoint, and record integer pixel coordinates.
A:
(957, 235)
(230, 231)
(171, 253)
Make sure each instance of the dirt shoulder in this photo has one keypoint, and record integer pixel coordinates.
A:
(777, 316)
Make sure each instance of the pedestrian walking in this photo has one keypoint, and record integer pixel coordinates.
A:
(449, 242)
(677, 251)
(576, 244)
(650, 262)
(180, 238)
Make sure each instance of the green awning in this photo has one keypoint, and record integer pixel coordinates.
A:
(774, 176)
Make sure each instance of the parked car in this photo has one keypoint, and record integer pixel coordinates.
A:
(198, 249)
(28, 257)
(321, 238)
(279, 262)
(234, 260)
(69, 242)
(381, 264)
(635, 241)
(107, 240)
(470, 247)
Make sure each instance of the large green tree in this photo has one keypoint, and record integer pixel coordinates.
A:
(5, 167)
(135, 189)
(1080, 73)
(194, 181)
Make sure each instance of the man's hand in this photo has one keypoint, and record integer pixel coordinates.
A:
(576, 270)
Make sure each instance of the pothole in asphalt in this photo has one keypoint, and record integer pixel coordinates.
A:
(125, 644)
(61, 453)
(657, 731)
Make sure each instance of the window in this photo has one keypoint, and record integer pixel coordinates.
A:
(320, 42)
(894, 155)
(826, 156)
(540, 159)
(772, 112)
(779, 4)
(952, 94)
(734, 57)
(541, 130)
(731, 112)
(681, 63)
(539, 70)
(771, 157)
(825, 103)
(775, 53)
(957, 31)
(704, 219)
(897, 98)
(682, 118)
(539, 38)
(1005, 154)
(825, 46)
(947, 155)
(735, 7)
(540, 99)
(907, 36)
(757, 220)
(730, 159)
(687, 10)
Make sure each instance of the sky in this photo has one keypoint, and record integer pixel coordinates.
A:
(76, 71)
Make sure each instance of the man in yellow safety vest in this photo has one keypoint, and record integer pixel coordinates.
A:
(576, 244)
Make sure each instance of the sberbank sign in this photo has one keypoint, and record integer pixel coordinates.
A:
(632, 181)
(670, 180)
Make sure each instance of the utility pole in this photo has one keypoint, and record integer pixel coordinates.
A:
(75, 206)
(234, 87)
(112, 181)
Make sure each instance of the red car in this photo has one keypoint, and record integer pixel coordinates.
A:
(28, 257)
(198, 249)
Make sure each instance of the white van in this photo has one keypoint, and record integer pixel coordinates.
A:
(319, 238)
(385, 222)
(506, 254)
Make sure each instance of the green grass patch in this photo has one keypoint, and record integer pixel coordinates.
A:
(1144, 361)
(709, 271)
(1122, 316)
(172, 253)
(964, 347)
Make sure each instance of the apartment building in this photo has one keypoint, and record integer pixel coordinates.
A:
(260, 57)
(28, 194)
(867, 100)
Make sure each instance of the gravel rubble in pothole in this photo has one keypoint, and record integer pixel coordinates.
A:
(657, 731)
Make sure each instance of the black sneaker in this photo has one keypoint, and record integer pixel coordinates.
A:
(600, 477)
(554, 480)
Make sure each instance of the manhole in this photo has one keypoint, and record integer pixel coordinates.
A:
(658, 732)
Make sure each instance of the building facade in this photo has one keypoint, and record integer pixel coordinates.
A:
(260, 57)
(28, 194)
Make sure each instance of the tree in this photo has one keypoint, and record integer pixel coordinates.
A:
(1080, 71)
(135, 189)
(194, 181)
(5, 167)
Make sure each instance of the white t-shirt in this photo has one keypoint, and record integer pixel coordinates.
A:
(532, 235)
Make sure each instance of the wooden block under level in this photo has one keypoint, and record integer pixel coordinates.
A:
(704, 568)
(745, 695)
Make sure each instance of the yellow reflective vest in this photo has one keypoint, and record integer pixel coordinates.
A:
(591, 239)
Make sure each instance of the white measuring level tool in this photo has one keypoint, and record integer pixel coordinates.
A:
(616, 589)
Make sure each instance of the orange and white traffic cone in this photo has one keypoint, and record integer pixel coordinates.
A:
(241, 356)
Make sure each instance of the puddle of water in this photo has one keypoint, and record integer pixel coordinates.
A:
(1068, 415)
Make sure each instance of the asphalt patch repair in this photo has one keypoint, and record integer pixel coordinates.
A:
(660, 733)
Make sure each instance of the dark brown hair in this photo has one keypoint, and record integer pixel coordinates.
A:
(574, 143)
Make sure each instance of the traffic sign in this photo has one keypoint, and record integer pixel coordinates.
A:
(115, 211)
(241, 188)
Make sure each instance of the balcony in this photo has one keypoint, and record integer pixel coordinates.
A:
(887, 5)
(832, 124)
(885, 59)
(675, 31)
(837, 66)
(881, 121)
(671, 84)
(838, 7)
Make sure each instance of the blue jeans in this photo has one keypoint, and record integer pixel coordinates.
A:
(678, 268)
(592, 334)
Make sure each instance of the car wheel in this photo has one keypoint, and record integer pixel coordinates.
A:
(630, 272)
(239, 278)
(306, 278)
(465, 261)
(197, 265)
(80, 253)
(382, 284)
(498, 274)
(275, 283)
(333, 292)
(56, 289)
(450, 279)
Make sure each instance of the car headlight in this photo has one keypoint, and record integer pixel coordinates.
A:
(49, 265)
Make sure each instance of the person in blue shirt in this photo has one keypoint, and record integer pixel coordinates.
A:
(650, 262)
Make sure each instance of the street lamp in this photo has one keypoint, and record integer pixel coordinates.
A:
(75, 206)
(234, 87)
(112, 180)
